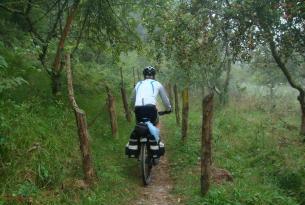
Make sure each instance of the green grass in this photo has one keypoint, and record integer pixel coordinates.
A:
(265, 159)
(40, 156)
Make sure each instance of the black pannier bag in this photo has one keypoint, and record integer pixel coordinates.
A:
(161, 149)
(153, 146)
(132, 147)
(156, 148)
(141, 129)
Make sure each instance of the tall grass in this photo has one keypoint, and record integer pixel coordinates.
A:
(261, 149)
(40, 156)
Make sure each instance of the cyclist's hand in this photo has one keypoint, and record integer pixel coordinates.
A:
(164, 112)
(168, 111)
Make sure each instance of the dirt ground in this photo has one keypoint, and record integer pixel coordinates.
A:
(158, 192)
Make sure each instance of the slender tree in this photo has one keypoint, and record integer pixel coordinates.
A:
(277, 25)
(124, 97)
(81, 122)
(177, 111)
(112, 111)
(56, 68)
(206, 142)
(185, 112)
(189, 38)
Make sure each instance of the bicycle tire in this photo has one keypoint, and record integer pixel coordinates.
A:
(146, 164)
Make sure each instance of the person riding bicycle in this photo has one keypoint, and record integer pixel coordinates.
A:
(144, 100)
(144, 97)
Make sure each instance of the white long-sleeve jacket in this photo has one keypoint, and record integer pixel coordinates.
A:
(147, 91)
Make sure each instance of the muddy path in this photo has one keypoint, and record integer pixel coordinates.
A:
(159, 190)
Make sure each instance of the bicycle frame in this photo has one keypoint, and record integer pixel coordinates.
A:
(146, 156)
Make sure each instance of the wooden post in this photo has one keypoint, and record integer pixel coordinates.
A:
(301, 99)
(206, 143)
(138, 73)
(185, 113)
(134, 77)
(81, 122)
(124, 98)
(177, 111)
(170, 93)
(112, 112)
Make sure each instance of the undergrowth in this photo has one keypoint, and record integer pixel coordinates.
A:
(40, 156)
(264, 155)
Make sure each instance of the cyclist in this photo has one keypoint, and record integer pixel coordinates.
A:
(144, 97)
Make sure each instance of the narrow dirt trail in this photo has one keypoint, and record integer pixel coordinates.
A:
(158, 192)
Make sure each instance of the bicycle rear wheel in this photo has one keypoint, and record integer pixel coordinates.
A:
(146, 164)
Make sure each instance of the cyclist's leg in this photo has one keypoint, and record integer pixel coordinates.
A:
(153, 115)
(156, 122)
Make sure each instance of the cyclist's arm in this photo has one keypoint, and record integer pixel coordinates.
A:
(164, 98)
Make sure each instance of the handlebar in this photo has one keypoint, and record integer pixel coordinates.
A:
(164, 112)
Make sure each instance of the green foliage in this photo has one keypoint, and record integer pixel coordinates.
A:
(43, 177)
(275, 25)
(13, 67)
(40, 156)
(11, 83)
(3, 146)
(247, 143)
(290, 180)
(3, 63)
(27, 189)
(179, 35)
(188, 41)
(266, 70)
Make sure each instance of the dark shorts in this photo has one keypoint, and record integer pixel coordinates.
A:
(146, 113)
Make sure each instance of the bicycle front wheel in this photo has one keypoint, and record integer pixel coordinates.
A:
(146, 164)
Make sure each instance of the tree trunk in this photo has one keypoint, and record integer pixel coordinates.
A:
(170, 93)
(177, 111)
(112, 113)
(291, 81)
(206, 143)
(83, 133)
(185, 113)
(55, 83)
(56, 68)
(224, 95)
(124, 98)
(134, 77)
(272, 102)
(138, 74)
(125, 103)
(301, 99)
